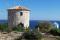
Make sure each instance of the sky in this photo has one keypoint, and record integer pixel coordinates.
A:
(40, 9)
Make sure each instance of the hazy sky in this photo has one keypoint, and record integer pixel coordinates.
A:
(40, 9)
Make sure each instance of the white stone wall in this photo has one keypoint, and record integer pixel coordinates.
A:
(24, 19)
(10, 19)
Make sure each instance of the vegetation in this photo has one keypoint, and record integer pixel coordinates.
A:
(44, 26)
(27, 29)
(4, 27)
(55, 32)
(19, 28)
(47, 27)
(35, 33)
(30, 36)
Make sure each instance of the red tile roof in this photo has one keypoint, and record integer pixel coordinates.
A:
(19, 8)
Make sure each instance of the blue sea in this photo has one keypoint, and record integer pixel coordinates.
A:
(3, 21)
(33, 23)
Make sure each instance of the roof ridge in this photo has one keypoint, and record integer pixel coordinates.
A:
(19, 7)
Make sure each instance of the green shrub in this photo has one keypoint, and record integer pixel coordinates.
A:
(44, 26)
(27, 29)
(38, 35)
(4, 27)
(19, 29)
(30, 36)
(55, 32)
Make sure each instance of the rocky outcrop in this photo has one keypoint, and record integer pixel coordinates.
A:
(10, 36)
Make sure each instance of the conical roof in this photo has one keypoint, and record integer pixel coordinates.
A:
(19, 8)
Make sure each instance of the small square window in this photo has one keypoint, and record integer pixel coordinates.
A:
(21, 13)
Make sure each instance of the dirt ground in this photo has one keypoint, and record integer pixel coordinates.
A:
(10, 36)
(14, 35)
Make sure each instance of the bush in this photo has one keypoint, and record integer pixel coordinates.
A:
(44, 26)
(30, 36)
(55, 32)
(19, 29)
(27, 29)
(4, 27)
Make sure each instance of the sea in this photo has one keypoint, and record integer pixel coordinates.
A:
(33, 23)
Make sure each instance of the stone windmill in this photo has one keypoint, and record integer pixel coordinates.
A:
(18, 15)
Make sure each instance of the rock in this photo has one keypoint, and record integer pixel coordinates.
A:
(10, 36)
